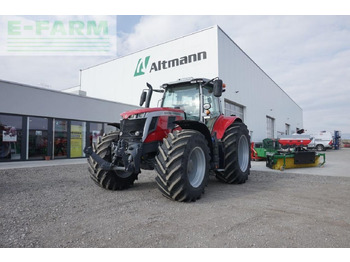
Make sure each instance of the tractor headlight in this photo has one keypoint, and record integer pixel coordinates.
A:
(136, 116)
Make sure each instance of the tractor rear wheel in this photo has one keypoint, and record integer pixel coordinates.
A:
(111, 180)
(237, 155)
(182, 164)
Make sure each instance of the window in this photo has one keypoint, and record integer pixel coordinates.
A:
(208, 98)
(213, 102)
(270, 127)
(60, 138)
(10, 137)
(96, 131)
(185, 98)
(287, 129)
(37, 138)
(235, 109)
(78, 138)
(108, 129)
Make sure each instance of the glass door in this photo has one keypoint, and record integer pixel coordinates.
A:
(60, 138)
(37, 138)
(10, 137)
(96, 131)
(77, 138)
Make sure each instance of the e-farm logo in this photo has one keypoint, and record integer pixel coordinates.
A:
(58, 35)
(142, 64)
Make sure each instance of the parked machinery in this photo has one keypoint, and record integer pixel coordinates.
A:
(259, 150)
(294, 154)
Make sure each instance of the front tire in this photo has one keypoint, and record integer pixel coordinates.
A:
(237, 155)
(110, 180)
(320, 147)
(183, 165)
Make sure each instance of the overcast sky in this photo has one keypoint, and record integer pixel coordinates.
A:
(307, 56)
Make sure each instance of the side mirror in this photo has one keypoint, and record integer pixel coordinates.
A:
(143, 97)
(217, 89)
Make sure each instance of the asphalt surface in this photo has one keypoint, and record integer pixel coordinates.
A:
(60, 206)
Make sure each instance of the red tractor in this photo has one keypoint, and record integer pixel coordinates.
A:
(185, 139)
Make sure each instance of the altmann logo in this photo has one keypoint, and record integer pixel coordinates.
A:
(142, 65)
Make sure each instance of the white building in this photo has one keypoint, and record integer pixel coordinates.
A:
(250, 93)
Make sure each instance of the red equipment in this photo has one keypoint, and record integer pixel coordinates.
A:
(295, 141)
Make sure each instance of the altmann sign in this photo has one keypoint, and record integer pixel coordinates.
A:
(144, 66)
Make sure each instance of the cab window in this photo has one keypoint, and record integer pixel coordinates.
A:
(185, 98)
(209, 98)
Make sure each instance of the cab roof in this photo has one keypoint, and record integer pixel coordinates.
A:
(186, 80)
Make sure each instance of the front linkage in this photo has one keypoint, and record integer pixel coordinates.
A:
(125, 157)
(125, 150)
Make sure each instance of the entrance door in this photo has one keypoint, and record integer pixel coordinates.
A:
(60, 138)
(38, 138)
(270, 127)
(10, 137)
(234, 109)
(78, 138)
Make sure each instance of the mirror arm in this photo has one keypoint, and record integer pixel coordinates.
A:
(149, 95)
(210, 81)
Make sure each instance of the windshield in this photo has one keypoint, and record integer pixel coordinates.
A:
(185, 98)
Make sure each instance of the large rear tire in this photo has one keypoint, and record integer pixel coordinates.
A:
(111, 180)
(237, 155)
(182, 164)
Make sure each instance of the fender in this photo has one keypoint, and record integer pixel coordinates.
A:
(198, 126)
(222, 123)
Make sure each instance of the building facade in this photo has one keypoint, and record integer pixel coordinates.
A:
(250, 93)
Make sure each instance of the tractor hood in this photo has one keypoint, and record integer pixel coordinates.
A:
(127, 114)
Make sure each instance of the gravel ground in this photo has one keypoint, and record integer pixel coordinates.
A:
(60, 206)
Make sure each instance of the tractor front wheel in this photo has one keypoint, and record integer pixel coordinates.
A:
(182, 164)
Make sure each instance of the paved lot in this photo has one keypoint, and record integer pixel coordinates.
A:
(59, 206)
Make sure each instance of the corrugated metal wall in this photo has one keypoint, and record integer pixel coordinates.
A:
(251, 87)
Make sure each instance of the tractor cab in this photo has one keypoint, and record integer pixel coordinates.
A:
(198, 98)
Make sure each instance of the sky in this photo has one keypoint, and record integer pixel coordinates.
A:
(307, 56)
